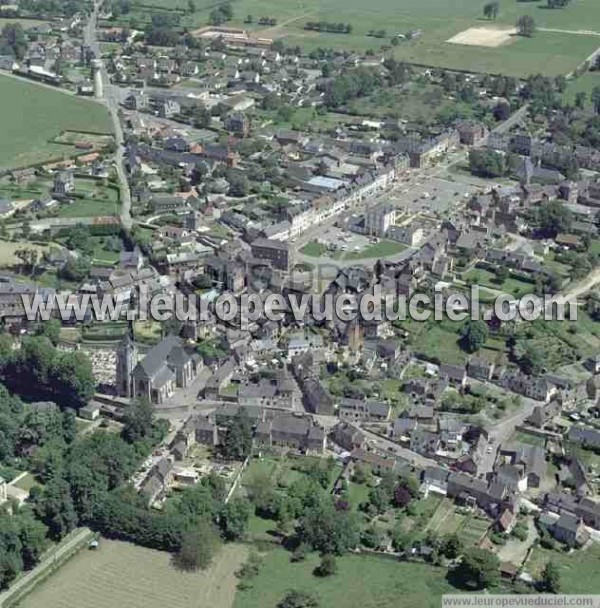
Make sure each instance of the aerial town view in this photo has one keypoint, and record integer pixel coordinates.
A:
(299, 303)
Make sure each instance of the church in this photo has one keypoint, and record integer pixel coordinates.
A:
(166, 366)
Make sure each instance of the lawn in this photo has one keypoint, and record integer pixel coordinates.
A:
(31, 115)
(361, 582)
(578, 570)
(584, 83)
(382, 249)
(314, 249)
(121, 574)
(511, 286)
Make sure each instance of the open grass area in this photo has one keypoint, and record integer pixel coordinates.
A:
(94, 199)
(511, 286)
(32, 115)
(361, 582)
(8, 249)
(314, 249)
(585, 83)
(382, 249)
(548, 51)
(578, 570)
(121, 574)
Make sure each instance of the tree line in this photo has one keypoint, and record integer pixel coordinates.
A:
(326, 26)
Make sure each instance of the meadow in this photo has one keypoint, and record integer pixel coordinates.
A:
(32, 115)
(121, 574)
(578, 570)
(549, 51)
(361, 582)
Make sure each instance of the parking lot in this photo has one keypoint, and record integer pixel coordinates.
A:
(427, 194)
(337, 239)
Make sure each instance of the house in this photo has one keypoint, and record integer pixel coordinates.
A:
(64, 183)
(585, 508)
(271, 250)
(544, 414)
(290, 431)
(435, 479)
(158, 480)
(348, 436)
(317, 398)
(480, 368)
(529, 462)
(237, 123)
(585, 436)
(454, 374)
(363, 409)
(568, 529)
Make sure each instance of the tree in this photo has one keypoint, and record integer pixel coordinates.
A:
(550, 579)
(327, 567)
(298, 599)
(328, 530)
(238, 441)
(198, 547)
(54, 506)
(487, 163)
(13, 40)
(138, 422)
(452, 546)
(234, 518)
(51, 330)
(490, 10)
(502, 273)
(595, 97)
(526, 25)
(553, 217)
(478, 569)
(474, 335)
(580, 99)
(191, 7)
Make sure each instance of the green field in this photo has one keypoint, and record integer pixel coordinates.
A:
(123, 575)
(578, 570)
(548, 52)
(585, 83)
(361, 582)
(31, 115)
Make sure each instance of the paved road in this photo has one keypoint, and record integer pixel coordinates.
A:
(501, 432)
(112, 95)
(69, 544)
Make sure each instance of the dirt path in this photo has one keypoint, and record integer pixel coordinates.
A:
(269, 30)
(576, 32)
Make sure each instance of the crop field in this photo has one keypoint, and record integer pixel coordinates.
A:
(32, 115)
(564, 39)
(121, 574)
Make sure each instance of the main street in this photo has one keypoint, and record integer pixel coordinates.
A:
(111, 99)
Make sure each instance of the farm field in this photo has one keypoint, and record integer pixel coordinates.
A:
(361, 582)
(550, 52)
(121, 574)
(42, 115)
